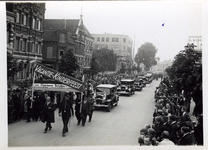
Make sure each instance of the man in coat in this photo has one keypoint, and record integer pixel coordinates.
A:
(48, 114)
(90, 103)
(78, 108)
(66, 112)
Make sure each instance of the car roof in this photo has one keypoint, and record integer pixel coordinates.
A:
(106, 86)
(128, 80)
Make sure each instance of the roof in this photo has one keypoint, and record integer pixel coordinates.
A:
(60, 24)
(50, 35)
(127, 80)
(106, 86)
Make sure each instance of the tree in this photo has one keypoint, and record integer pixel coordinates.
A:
(103, 60)
(146, 55)
(123, 68)
(186, 73)
(12, 68)
(68, 63)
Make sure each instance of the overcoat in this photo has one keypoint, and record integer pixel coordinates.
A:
(66, 109)
(48, 114)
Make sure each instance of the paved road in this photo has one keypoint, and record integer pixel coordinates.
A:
(121, 126)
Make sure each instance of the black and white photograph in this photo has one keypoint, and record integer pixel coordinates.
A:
(103, 74)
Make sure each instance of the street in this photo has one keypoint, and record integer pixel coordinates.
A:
(121, 126)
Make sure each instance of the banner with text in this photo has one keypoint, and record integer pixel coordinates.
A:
(62, 78)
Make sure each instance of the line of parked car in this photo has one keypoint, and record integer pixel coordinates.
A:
(107, 95)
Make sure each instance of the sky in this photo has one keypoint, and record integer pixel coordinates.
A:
(167, 25)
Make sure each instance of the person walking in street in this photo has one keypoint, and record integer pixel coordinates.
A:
(90, 103)
(48, 114)
(78, 108)
(28, 100)
(66, 112)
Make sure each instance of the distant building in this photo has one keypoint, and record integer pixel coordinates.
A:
(25, 34)
(67, 34)
(120, 44)
(197, 41)
(161, 66)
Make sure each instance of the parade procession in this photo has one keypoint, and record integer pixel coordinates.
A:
(69, 87)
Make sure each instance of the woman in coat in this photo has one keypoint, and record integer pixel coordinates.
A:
(66, 112)
(48, 114)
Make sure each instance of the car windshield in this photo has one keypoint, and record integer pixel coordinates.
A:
(103, 91)
(126, 83)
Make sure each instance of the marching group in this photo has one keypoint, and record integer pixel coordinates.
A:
(172, 122)
(43, 105)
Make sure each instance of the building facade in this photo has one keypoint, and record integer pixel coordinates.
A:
(25, 34)
(74, 35)
(120, 44)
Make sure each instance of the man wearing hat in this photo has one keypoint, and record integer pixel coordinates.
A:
(90, 103)
(66, 111)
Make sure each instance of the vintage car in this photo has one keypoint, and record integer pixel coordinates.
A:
(143, 80)
(106, 96)
(138, 84)
(149, 78)
(126, 87)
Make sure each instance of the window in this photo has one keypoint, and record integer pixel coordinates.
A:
(18, 18)
(107, 39)
(113, 39)
(28, 47)
(33, 23)
(24, 41)
(33, 47)
(103, 39)
(117, 39)
(124, 40)
(62, 38)
(98, 39)
(38, 24)
(24, 19)
(61, 52)
(124, 48)
(7, 36)
(17, 41)
(50, 52)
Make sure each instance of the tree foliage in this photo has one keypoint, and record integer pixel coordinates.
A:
(186, 72)
(103, 60)
(12, 66)
(146, 55)
(68, 63)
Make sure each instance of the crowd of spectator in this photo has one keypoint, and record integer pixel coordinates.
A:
(173, 124)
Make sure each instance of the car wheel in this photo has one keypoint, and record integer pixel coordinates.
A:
(109, 107)
(116, 104)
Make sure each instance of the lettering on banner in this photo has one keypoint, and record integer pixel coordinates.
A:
(57, 76)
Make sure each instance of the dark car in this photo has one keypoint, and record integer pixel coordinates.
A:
(106, 96)
(126, 87)
(138, 84)
(149, 78)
